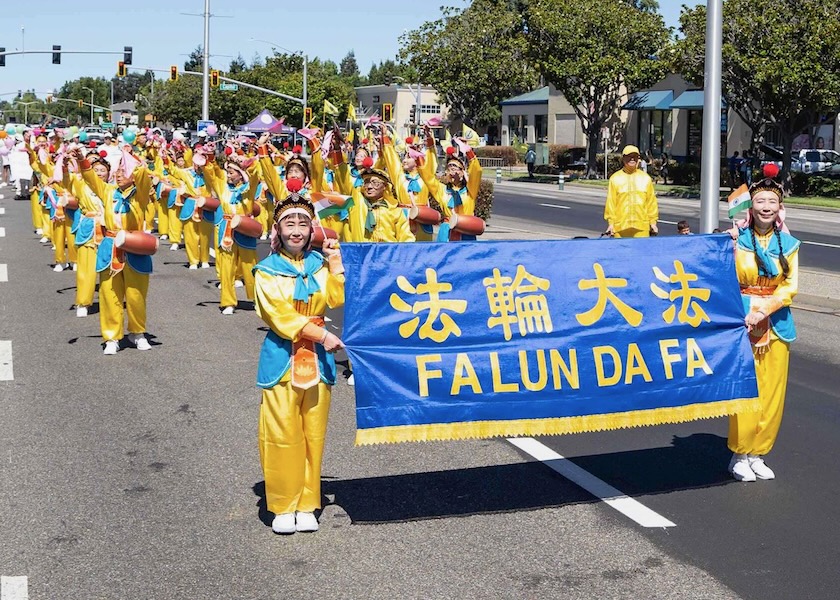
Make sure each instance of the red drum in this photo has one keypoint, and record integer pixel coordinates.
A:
(425, 215)
(69, 202)
(332, 197)
(246, 225)
(319, 234)
(207, 203)
(255, 212)
(136, 242)
(466, 224)
(199, 160)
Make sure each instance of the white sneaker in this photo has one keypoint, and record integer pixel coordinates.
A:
(306, 522)
(111, 348)
(284, 523)
(193, 267)
(173, 247)
(264, 237)
(351, 381)
(205, 265)
(81, 311)
(139, 340)
(44, 239)
(228, 310)
(739, 466)
(758, 467)
(75, 268)
(39, 231)
(58, 268)
(164, 237)
(238, 283)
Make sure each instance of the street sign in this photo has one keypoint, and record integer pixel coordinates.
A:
(107, 125)
(96, 110)
(202, 125)
(228, 87)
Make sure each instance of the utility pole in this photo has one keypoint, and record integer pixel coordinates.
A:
(205, 87)
(710, 160)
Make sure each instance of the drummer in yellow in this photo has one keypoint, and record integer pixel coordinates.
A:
(409, 185)
(122, 282)
(631, 209)
(237, 253)
(294, 287)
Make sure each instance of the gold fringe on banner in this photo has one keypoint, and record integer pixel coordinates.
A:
(531, 427)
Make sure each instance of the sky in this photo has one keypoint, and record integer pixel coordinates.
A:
(162, 36)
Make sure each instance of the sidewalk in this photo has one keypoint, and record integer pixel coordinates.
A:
(818, 290)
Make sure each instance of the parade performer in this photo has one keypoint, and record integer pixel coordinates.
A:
(122, 281)
(411, 190)
(766, 260)
(375, 216)
(51, 175)
(323, 177)
(631, 209)
(462, 181)
(294, 287)
(237, 252)
(197, 230)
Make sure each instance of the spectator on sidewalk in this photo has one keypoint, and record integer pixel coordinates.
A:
(663, 170)
(746, 168)
(734, 167)
(530, 159)
(631, 209)
(683, 228)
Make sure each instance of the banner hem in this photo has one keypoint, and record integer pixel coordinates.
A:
(556, 426)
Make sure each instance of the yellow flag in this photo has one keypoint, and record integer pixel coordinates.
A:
(351, 135)
(470, 136)
(330, 108)
(351, 113)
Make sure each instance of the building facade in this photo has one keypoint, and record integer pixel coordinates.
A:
(404, 100)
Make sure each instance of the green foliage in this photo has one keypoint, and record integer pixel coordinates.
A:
(349, 68)
(399, 73)
(593, 55)
(475, 58)
(781, 63)
(813, 185)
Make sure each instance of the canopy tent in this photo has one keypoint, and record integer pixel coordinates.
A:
(265, 121)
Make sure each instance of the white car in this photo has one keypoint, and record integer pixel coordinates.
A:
(808, 160)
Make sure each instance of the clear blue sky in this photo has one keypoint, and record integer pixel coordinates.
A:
(162, 36)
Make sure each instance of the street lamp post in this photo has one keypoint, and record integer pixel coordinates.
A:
(417, 107)
(26, 111)
(91, 103)
(305, 64)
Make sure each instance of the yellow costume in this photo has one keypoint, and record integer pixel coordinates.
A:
(411, 189)
(631, 206)
(197, 230)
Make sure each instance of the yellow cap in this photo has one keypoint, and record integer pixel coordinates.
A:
(630, 150)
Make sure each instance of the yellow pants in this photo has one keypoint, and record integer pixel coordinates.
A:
(197, 241)
(150, 215)
(85, 274)
(230, 264)
(46, 223)
(632, 233)
(63, 238)
(176, 226)
(163, 218)
(35, 207)
(293, 424)
(755, 432)
(265, 216)
(129, 286)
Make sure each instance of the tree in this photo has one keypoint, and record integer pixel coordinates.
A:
(378, 73)
(126, 88)
(595, 56)
(780, 62)
(475, 58)
(348, 68)
(237, 65)
(195, 61)
(78, 89)
(649, 6)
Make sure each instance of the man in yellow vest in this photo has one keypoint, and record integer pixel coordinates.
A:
(631, 209)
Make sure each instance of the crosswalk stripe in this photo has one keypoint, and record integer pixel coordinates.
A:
(6, 372)
(14, 588)
(4, 273)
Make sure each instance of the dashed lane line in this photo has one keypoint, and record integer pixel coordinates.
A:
(556, 206)
(630, 508)
(6, 371)
(4, 273)
(14, 588)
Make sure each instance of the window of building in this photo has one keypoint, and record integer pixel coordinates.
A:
(517, 128)
(427, 109)
(541, 128)
(655, 131)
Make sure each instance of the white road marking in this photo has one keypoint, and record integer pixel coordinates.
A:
(627, 506)
(820, 244)
(14, 588)
(556, 206)
(2, 211)
(4, 273)
(6, 372)
(2, 232)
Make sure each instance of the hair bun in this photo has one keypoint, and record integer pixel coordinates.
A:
(771, 170)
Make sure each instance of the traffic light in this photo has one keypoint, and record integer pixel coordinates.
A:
(81, 103)
(121, 70)
(412, 117)
(173, 73)
(387, 112)
(56, 55)
(388, 78)
(214, 78)
(307, 115)
(2, 57)
(127, 52)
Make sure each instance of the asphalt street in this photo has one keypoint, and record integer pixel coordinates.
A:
(137, 476)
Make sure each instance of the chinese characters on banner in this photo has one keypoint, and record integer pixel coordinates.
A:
(456, 341)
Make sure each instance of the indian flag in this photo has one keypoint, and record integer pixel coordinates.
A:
(739, 200)
(330, 203)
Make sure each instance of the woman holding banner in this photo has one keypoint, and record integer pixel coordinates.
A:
(294, 287)
(766, 260)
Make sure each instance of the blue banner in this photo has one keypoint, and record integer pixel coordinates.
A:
(482, 339)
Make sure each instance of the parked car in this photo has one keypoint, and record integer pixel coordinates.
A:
(807, 160)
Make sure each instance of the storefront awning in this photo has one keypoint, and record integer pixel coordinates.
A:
(692, 100)
(651, 100)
